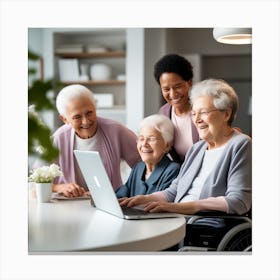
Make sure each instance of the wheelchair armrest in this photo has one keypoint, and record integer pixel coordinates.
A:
(218, 214)
(212, 213)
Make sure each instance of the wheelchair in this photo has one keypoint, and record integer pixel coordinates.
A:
(217, 231)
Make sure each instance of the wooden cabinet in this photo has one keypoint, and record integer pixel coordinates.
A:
(86, 48)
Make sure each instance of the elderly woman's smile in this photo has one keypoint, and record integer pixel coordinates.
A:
(88, 126)
(211, 122)
(81, 114)
(156, 171)
(151, 146)
(143, 150)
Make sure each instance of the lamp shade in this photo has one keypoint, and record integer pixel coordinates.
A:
(235, 36)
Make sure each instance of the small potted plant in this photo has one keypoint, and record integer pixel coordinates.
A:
(43, 178)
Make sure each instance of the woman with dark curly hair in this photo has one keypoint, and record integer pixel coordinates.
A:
(174, 75)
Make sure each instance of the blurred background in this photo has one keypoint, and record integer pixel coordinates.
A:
(117, 65)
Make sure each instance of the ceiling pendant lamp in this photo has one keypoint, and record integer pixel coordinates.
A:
(234, 36)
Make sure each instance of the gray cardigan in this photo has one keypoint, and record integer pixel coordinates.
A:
(231, 178)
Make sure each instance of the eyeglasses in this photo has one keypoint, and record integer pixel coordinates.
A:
(149, 140)
(203, 114)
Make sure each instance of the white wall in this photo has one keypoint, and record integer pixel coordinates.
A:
(135, 77)
(35, 42)
(155, 48)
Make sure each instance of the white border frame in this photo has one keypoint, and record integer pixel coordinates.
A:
(17, 16)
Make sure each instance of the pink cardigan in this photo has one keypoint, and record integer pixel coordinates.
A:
(166, 110)
(117, 142)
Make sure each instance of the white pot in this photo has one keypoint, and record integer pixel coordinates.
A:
(43, 192)
(100, 72)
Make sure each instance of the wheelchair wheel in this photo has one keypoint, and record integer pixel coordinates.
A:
(239, 238)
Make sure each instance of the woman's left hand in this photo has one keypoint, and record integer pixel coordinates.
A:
(184, 208)
(159, 206)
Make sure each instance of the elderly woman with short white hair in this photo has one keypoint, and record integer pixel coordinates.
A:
(84, 130)
(216, 174)
(156, 171)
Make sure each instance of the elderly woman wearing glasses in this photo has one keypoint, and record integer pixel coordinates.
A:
(156, 171)
(216, 173)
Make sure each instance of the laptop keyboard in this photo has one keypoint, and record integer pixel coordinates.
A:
(133, 211)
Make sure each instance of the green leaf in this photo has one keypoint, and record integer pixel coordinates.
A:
(37, 95)
(39, 134)
(33, 56)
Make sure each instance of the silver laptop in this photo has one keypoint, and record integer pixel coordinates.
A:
(102, 192)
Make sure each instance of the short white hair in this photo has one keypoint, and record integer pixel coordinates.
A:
(69, 93)
(162, 124)
(224, 96)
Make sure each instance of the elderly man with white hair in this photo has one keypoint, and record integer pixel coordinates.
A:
(84, 130)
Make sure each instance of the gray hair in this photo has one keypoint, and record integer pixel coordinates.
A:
(69, 93)
(162, 124)
(224, 95)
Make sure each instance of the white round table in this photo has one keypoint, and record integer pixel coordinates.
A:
(74, 225)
